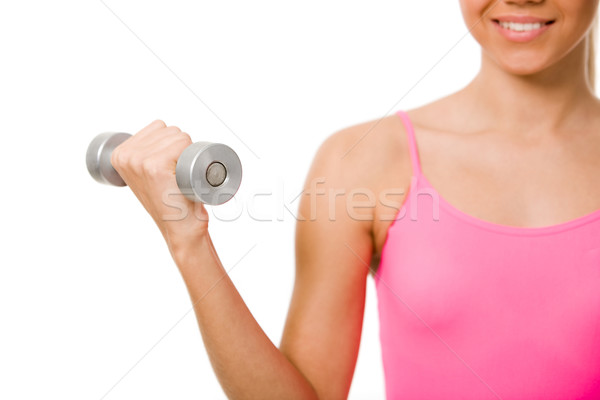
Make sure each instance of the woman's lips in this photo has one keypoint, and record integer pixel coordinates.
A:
(521, 29)
(521, 18)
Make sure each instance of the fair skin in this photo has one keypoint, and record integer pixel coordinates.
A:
(513, 147)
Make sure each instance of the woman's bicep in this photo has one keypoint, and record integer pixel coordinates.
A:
(333, 250)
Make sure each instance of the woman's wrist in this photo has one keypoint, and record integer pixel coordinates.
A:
(186, 247)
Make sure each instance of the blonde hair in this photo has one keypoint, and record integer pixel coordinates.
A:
(591, 51)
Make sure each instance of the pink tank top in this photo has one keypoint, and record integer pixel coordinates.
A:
(471, 309)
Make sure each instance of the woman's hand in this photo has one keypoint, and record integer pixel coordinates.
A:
(146, 161)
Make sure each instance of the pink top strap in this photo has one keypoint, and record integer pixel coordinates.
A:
(412, 142)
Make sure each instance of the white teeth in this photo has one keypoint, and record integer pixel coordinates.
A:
(515, 26)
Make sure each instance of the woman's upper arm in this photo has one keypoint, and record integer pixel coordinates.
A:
(333, 253)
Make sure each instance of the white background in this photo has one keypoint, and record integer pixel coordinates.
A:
(91, 304)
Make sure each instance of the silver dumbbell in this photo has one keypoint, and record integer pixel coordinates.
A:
(207, 172)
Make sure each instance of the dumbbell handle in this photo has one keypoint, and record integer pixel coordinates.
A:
(207, 172)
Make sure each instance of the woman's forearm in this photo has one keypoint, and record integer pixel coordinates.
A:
(246, 362)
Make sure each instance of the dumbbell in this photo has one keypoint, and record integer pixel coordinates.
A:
(206, 172)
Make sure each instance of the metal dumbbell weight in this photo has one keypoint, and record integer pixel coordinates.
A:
(207, 172)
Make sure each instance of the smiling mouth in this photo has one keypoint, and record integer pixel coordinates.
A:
(522, 27)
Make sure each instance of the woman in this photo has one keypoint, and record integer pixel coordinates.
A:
(489, 279)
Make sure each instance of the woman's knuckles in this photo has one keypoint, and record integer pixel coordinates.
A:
(172, 129)
(150, 164)
(156, 124)
(155, 167)
(138, 156)
(185, 137)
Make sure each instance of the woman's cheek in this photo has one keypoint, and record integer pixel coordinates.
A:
(474, 14)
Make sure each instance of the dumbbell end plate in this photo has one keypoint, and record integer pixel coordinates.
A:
(209, 172)
(97, 157)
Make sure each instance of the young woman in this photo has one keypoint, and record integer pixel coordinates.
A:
(488, 275)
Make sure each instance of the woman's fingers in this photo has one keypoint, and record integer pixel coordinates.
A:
(152, 126)
(129, 156)
(159, 158)
(146, 138)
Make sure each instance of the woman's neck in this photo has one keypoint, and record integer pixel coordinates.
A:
(555, 99)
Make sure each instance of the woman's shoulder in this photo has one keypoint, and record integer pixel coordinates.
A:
(359, 141)
(372, 155)
(377, 149)
(366, 150)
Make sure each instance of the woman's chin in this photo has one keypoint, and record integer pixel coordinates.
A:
(522, 66)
